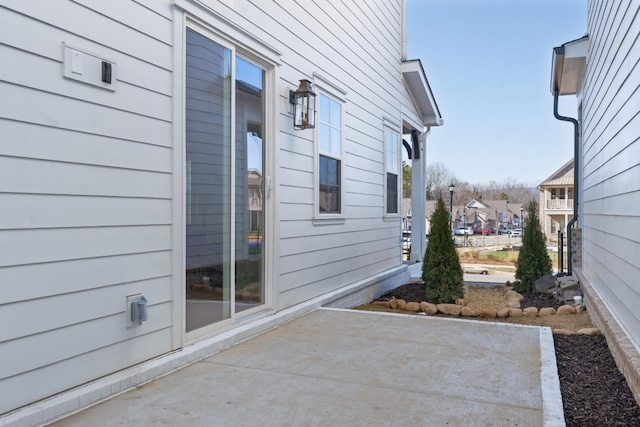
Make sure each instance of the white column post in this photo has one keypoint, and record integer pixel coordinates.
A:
(418, 202)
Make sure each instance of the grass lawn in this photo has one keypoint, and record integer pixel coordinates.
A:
(504, 257)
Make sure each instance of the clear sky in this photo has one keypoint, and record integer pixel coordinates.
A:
(488, 63)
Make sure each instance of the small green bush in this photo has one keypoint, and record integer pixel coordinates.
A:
(533, 261)
(441, 270)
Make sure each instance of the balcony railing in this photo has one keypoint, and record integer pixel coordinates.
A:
(560, 204)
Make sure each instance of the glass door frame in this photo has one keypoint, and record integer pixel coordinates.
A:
(269, 67)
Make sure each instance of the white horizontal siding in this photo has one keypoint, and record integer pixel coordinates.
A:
(88, 273)
(30, 35)
(19, 175)
(611, 160)
(86, 189)
(356, 47)
(19, 247)
(63, 145)
(61, 112)
(23, 211)
(127, 13)
(333, 241)
(71, 310)
(314, 282)
(43, 74)
(76, 19)
(110, 327)
(20, 390)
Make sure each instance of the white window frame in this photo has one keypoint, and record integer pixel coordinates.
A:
(395, 162)
(325, 88)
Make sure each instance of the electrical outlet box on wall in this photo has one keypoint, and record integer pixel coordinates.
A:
(132, 312)
(88, 68)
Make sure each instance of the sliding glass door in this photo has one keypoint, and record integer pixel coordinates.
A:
(224, 182)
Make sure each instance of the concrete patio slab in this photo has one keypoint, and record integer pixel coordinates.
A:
(349, 367)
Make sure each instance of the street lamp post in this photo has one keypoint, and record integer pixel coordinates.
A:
(451, 188)
(464, 221)
(522, 219)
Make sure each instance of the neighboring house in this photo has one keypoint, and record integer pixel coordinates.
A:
(556, 201)
(492, 213)
(476, 213)
(149, 150)
(603, 70)
(407, 215)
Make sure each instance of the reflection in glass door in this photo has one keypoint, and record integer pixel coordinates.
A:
(224, 183)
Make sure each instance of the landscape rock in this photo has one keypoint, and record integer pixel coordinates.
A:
(384, 304)
(511, 294)
(545, 283)
(513, 303)
(579, 309)
(503, 312)
(397, 304)
(562, 331)
(469, 312)
(488, 314)
(530, 312)
(515, 312)
(413, 306)
(428, 308)
(460, 301)
(546, 311)
(450, 309)
(566, 309)
(589, 331)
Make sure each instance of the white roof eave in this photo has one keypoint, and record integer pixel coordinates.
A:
(567, 66)
(420, 92)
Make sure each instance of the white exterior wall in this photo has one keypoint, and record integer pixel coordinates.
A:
(610, 209)
(91, 206)
(356, 48)
(85, 177)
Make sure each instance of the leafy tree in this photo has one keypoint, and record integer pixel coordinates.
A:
(441, 270)
(406, 179)
(533, 261)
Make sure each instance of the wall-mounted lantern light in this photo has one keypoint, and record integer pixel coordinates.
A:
(304, 106)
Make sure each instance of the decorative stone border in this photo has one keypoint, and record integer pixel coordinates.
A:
(511, 309)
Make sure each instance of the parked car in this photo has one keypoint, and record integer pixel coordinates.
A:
(485, 231)
(516, 232)
(406, 241)
(462, 231)
(504, 230)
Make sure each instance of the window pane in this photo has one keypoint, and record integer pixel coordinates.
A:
(208, 151)
(329, 199)
(324, 136)
(336, 136)
(249, 225)
(325, 110)
(330, 142)
(392, 147)
(392, 193)
(336, 117)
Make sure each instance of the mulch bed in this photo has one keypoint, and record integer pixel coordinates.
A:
(594, 392)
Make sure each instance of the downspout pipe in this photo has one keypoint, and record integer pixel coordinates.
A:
(576, 146)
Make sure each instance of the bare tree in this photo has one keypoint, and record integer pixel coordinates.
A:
(438, 179)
